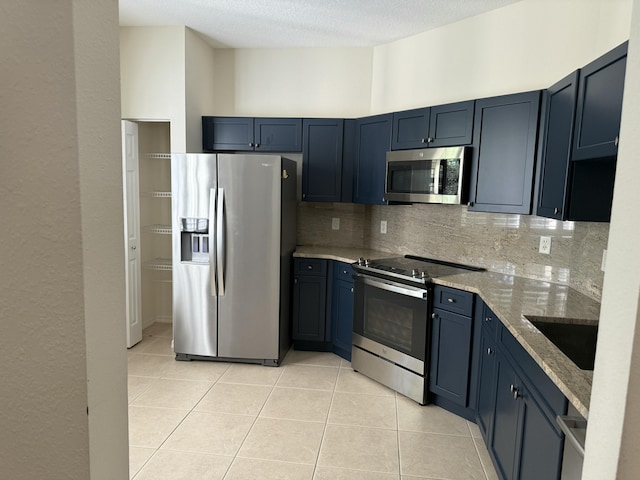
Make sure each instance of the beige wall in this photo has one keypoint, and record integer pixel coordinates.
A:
(200, 87)
(152, 66)
(525, 46)
(62, 295)
(293, 82)
(613, 434)
(97, 63)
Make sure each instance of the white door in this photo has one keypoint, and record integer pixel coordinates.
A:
(131, 195)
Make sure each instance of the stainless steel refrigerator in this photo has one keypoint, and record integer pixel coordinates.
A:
(234, 233)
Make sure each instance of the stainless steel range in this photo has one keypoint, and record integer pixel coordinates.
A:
(391, 320)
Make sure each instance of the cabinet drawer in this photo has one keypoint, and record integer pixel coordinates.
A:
(310, 266)
(452, 300)
(342, 271)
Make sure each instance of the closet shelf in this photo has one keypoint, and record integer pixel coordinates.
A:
(158, 264)
(158, 155)
(158, 229)
(157, 194)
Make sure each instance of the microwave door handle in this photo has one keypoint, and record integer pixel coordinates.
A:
(436, 178)
(403, 290)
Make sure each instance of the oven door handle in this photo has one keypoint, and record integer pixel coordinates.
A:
(395, 288)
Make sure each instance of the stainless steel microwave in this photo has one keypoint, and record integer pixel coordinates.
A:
(428, 175)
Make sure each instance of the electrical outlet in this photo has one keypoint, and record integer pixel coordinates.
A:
(335, 223)
(545, 245)
(383, 226)
(604, 259)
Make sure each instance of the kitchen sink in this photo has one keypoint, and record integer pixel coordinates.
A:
(576, 340)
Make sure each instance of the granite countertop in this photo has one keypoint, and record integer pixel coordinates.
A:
(341, 254)
(512, 299)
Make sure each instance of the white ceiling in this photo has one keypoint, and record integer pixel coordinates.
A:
(303, 23)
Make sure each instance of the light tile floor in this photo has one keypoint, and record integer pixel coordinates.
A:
(313, 418)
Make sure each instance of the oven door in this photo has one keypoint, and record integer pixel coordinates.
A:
(393, 315)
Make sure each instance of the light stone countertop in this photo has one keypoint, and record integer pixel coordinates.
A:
(513, 298)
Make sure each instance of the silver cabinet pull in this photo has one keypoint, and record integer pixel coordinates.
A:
(489, 351)
(515, 391)
(616, 141)
(451, 300)
(429, 140)
(556, 210)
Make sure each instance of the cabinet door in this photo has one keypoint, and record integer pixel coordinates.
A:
(227, 133)
(322, 159)
(505, 137)
(373, 141)
(450, 356)
(556, 150)
(600, 106)
(309, 308)
(342, 317)
(540, 442)
(410, 129)
(506, 416)
(486, 383)
(278, 134)
(451, 124)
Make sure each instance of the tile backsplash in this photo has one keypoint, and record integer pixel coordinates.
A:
(498, 242)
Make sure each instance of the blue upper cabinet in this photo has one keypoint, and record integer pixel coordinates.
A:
(322, 140)
(600, 106)
(243, 134)
(559, 114)
(278, 135)
(410, 129)
(451, 125)
(227, 133)
(372, 142)
(505, 137)
(439, 126)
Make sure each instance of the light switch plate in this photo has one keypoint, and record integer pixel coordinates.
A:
(604, 260)
(335, 223)
(383, 226)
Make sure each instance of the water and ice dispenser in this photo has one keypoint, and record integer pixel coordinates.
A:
(195, 245)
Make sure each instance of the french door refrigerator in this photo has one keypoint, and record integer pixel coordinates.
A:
(234, 233)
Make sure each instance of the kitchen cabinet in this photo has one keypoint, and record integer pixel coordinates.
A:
(505, 137)
(309, 302)
(439, 126)
(599, 106)
(516, 408)
(372, 141)
(486, 381)
(581, 127)
(451, 336)
(322, 141)
(553, 184)
(252, 134)
(342, 309)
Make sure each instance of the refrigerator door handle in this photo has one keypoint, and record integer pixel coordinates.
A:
(220, 245)
(212, 257)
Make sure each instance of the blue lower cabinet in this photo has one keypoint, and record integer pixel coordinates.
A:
(342, 309)
(516, 409)
(450, 356)
(322, 306)
(309, 323)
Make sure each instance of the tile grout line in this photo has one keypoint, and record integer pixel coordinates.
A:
(235, 455)
(178, 425)
(326, 422)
